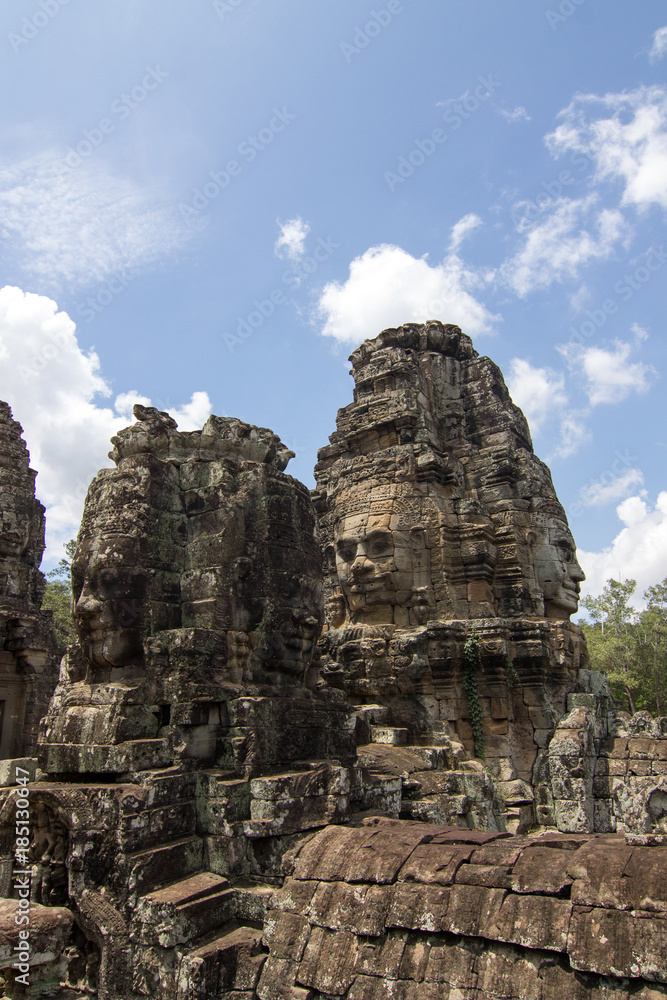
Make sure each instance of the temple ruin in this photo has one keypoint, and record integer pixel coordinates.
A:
(339, 745)
(28, 666)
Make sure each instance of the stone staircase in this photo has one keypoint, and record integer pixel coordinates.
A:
(213, 927)
(183, 910)
(197, 917)
(434, 780)
(231, 960)
(179, 858)
(196, 933)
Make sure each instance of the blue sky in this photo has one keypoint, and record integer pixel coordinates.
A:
(208, 206)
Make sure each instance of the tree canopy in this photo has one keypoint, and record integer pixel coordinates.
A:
(630, 646)
(57, 598)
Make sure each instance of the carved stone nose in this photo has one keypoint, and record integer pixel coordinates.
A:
(87, 604)
(361, 564)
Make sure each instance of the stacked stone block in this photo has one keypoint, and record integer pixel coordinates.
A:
(413, 911)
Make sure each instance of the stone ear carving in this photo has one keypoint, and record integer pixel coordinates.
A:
(531, 537)
(417, 534)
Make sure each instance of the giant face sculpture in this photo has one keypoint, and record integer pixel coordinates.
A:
(109, 592)
(126, 569)
(382, 562)
(14, 536)
(293, 624)
(287, 582)
(366, 562)
(557, 572)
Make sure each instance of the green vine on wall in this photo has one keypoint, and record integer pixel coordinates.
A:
(511, 675)
(472, 660)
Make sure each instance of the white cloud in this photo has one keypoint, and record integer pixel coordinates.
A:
(189, 417)
(573, 433)
(193, 415)
(387, 287)
(579, 298)
(659, 46)
(610, 488)
(609, 374)
(56, 392)
(292, 240)
(518, 115)
(462, 228)
(126, 400)
(629, 145)
(559, 247)
(638, 552)
(78, 225)
(538, 391)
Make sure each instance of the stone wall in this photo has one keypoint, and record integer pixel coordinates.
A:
(526, 671)
(604, 771)
(417, 912)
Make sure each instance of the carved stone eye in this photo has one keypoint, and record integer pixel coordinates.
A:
(379, 543)
(346, 551)
(566, 552)
(107, 582)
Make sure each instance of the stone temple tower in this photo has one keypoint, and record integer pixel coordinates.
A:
(442, 532)
(28, 669)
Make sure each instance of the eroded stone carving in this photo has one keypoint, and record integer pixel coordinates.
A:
(438, 523)
(28, 667)
(21, 518)
(382, 560)
(48, 853)
(197, 578)
(431, 478)
(557, 571)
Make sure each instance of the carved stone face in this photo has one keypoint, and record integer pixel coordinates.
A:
(109, 593)
(377, 565)
(293, 625)
(13, 536)
(557, 571)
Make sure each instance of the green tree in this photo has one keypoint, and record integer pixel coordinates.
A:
(611, 638)
(629, 646)
(653, 640)
(57, 598)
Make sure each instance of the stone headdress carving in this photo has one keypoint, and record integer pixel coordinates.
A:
(433, 426)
